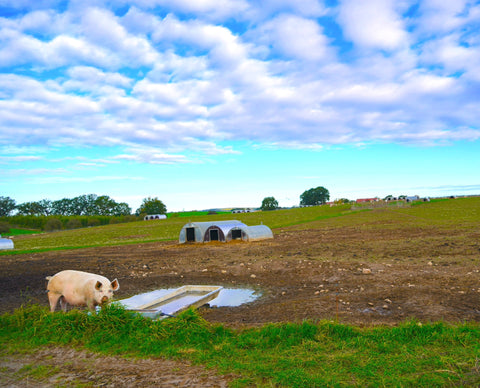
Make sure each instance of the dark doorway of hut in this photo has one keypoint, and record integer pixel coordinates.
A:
(190, 234)
(236, 234)
(213, 234)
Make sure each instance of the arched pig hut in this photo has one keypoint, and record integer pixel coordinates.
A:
(6, 243)
(250, 233)
(155, 217)
(207, 231)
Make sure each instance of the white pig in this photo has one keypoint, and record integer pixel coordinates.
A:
(79, 288)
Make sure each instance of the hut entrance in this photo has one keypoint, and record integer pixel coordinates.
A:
(236, 234)
(190, 234)
(213, 234)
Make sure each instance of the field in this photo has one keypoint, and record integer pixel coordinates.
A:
(361, 269)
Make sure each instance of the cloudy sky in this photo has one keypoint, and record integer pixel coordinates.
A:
(221, 103)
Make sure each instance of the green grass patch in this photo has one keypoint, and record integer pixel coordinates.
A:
(313, 354)
(461, 213)
(195, 213)
(19, 232)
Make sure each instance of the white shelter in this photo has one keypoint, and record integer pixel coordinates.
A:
(250, 233)
(223, 231)
(6, 243)
(155, 217)
(208, 231)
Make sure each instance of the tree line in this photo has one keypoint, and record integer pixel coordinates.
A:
(83, 205)
(103, 205)
(78, 212)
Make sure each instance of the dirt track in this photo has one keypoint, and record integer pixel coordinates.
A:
(359, 275)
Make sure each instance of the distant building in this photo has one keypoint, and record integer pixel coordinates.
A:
(244, 210)
(155, 217)
(367, 200)
(412, 198)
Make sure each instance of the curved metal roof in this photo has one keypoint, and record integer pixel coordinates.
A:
(6, 243)
(224, 226)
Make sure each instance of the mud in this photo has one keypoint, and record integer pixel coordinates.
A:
(356, 275)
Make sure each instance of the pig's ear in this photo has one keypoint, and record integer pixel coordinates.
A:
(115, 285)
(98, 285)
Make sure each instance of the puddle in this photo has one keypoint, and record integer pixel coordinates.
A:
(228, 297)
(232, 297)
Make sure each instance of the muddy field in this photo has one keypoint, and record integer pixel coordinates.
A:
(356, 275)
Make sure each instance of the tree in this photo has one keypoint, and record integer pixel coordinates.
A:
(45, 206)
(269, 203)
(105, 206)
(63, 207)
(152, 206)
(30, 209)
(122, 209)
(314, 196)
(7, 205)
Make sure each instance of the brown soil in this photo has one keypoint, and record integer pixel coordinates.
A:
(356, 275)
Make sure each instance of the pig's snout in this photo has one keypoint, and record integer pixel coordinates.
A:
(104, 299)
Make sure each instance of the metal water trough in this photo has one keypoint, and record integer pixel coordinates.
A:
(178, 301)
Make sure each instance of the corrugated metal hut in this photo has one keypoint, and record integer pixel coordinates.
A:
(6, 243)
(207, 231)
(155, 217)
(250, 233)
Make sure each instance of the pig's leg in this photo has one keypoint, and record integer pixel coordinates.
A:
(63, 303)
(91, 305)
(53, 299)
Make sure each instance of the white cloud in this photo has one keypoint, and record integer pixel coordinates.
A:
(224, 49)
(443, 16)
(269, 8)
(373, 24)
(22, 158)
(181, 81)
(102, 27)
(208, 9)
(20, 49)
(296, 37)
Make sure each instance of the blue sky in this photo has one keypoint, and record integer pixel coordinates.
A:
(221, 103)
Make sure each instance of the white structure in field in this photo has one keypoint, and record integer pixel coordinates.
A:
(155, 217)
(223, 231)
(6, 243)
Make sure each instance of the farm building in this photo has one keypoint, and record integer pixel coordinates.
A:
(222, 231)
(6, 243)
(245, 210)
(155, 217)
(250, 233)
(366, 200)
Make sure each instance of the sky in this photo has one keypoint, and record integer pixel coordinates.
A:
(220, 103)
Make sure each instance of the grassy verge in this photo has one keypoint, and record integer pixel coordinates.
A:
(313, 354)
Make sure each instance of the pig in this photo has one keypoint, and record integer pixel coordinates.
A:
(79, 288)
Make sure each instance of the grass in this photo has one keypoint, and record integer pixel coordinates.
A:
(458, 213)
(307, 354)
(37, 371)
(19, 232)
(162, 230)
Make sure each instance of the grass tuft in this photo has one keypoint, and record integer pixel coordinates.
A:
(288, 354)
